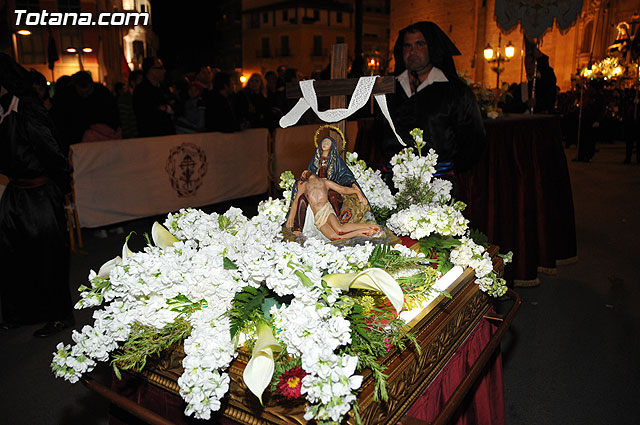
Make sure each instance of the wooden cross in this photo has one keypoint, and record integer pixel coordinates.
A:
(339, 86)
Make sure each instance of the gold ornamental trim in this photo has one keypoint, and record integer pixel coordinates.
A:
(332, 127)
(440, 330)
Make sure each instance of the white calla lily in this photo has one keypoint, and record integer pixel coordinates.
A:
(372, 279)
(106, 268)
(126, 252)
(259, 371)
(161, 236)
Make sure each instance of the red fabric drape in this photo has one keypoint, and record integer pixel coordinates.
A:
(485, 403)
(519, 194)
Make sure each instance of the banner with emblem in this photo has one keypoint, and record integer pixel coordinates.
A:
(121, 180)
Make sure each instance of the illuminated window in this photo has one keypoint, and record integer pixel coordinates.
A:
(138, 51)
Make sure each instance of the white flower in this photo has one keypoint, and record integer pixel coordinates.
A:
(373, 187)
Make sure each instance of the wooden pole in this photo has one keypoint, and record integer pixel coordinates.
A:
(339, 71)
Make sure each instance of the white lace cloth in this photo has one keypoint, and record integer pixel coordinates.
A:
(359, 98)
(13, 107)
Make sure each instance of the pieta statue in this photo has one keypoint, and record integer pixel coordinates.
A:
(326, 201)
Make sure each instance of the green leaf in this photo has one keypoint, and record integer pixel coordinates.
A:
(444, 265)
(266, 306)
(224, 221)
(116, 371)
(246, 306)
(228, 264)
(437, 243)
(479, 238)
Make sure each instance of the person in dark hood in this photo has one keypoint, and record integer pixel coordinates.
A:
(34, 246)
(431, 96)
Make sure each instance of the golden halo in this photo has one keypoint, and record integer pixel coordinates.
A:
(332, 127)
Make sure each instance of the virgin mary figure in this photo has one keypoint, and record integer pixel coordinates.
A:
(327, 163)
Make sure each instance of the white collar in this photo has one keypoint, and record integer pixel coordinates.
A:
(435, 75)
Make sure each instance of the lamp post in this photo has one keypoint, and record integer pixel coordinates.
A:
(79, 52)
(499, 57)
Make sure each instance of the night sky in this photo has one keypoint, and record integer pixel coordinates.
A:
(188, 34)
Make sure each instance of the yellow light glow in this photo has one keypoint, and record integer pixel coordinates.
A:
(24, 32)
(71, 49)
(488, 52)
(87, 50)
(372, 62)
(509, 50)
(617, 71)
(243, 79)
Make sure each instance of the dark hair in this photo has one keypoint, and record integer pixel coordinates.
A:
(220, 81)
(133, 75)
(81, 79)
(290, 74)
(14, 77)
(148, 63)
(37, 78)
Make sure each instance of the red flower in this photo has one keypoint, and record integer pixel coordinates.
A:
(291, 382)
(434, 256)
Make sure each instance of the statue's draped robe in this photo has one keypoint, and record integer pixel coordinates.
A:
(335, 170)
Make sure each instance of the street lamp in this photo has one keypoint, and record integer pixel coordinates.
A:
(498, 57)
(79, 52)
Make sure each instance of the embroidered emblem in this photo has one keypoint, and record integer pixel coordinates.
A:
(186, 166)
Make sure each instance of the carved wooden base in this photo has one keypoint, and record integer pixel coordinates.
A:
(439, 329)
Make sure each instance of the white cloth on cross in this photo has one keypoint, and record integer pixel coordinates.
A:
(359, 98)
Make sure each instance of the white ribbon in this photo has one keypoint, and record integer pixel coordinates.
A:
(13, 107)
(359, 98)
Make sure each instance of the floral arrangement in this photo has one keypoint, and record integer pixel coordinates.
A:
(608, 68)
(487, 100)
(313, 316)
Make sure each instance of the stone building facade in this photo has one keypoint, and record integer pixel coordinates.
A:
(471, 24)
(109, 49)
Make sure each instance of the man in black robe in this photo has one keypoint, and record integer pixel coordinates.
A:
(34, 246)
(152, 103)
(429, 95)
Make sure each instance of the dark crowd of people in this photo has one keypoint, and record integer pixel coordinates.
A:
(150, 104)
(608, 114)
